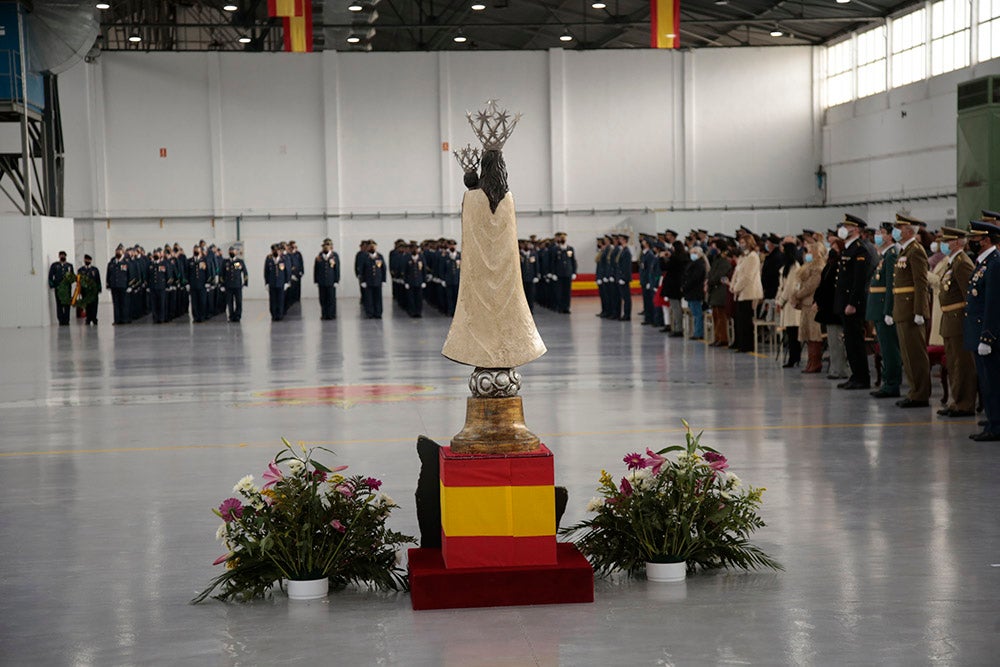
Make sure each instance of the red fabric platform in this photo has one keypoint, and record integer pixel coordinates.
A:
(432, 586)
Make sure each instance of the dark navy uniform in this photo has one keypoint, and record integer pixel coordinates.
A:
(277, 274)
(234, 278)
(116, 280)
(853, 274)
(649, 279)
(981, 333)
(157, 280)
(94, 274)
(373, 271)
(198, 278)
(623, 280)
(452, 274)
(326, 275)
(529, 275)
(602, 276)
(57, 272)
(564, 268)
(298, 269)
(413, 284)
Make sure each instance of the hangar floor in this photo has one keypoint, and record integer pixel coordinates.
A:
(115, 442)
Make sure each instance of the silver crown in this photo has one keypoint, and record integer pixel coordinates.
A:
(492, 125)
(468, 158)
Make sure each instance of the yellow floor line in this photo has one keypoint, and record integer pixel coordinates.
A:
(383, 441)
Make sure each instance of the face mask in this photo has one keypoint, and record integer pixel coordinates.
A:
(808, 257)
(897, 234)
(842, 233)
(946, 249)
(827, 244)
(233, 255)
(935, 246)
(712, 252)
(414, 253)
(974, 247)
(694, 257)
(373, 254)
(87, 262)
(879, 241)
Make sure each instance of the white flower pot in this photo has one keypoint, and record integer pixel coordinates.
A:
(311, 589)
(666, 572)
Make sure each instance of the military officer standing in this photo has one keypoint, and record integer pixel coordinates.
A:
(564, 268)
(198, 277)
(452, 277)
(276, 277)
(58, 271)
(951, 294)
(372, 276)
(94, 274)
(602, 274)
(116, 280)
(623, 279)
(326, 275)
(649, 278)
(234, 278)
(157, 280)
(982, 319)
(850, 299)
(359, 260)
(413, 281)
(879, 312)
(529, 271)
(911, 309)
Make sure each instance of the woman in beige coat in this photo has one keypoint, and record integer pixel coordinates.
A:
(788, 308)
(747, 289)
(810, 331)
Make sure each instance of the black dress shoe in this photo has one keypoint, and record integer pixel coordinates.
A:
(881, 393)
(945, 412)
(985, 436)
(645, 323)
(982, 423)
(857, 385)
(957, 413)
(907, 403)
(843, 385)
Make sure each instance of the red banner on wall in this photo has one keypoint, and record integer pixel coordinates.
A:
(665, 24)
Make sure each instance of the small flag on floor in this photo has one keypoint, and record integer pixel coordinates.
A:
(665, 24)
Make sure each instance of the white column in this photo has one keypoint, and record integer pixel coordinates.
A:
(449, 201)
(685, 187)
(557, 135)
(215, 134)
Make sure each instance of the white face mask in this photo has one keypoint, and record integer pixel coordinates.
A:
(934, 247)
(842, 233)
(373, 254)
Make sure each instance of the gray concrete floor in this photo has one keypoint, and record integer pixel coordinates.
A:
(115, 443)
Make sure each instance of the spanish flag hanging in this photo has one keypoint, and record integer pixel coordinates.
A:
(283, 8)
(664, 21)
(299, 31)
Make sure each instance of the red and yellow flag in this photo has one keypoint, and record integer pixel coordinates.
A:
(299, 29)
(665, 24)
(283, 8)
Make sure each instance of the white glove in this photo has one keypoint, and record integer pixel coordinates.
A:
(918, 320)
(889, 321)
(128, 290)
(187, 288)
(287, 285)
(364, 285)
(335, 284)
(423, 285)
(407, 286)
(535, 279)
(648, 286)
(573, 277)
(984, 350)
(222, 289)
(621, 282)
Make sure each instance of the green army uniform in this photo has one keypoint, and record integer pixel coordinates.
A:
(911, 299)
(961, 366)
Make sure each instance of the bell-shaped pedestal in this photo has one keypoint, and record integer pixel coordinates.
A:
(494, 426)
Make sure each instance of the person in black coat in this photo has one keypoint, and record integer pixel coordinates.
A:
(693, 289)
(850, 298)
(452, 276)
(826, 315)
(198, 277)
(529, 271)
(94, 274)
(413, 281)
(116, 280)
(673, 281)
(157, 279)
(326, 275)
(234, 278)
(57, 272)
(277, 275)
(373, 272)
(770, 275)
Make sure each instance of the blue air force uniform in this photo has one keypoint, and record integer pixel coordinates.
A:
(116, 280)
(57, 272)
(413, 282)
(277, 275)
(564, 268)
(623, 280)
(981, 332)
(529, 276)
(326, 275)
(373, 270)
(234, 278)
(198, 277)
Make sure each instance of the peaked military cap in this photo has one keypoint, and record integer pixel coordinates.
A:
(887, 226)
(854, 221)
(907, 220)
(990, 215)
(670, 231)
(951, 234)
(989, 227)
(703, 231)
(610, 237)
(808, 231)
(774, 238)
(87, 257)
(327, 241)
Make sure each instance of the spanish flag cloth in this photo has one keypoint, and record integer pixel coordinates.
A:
(665, 24)
(296, 19)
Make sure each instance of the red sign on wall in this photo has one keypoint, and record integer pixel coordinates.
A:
(163, 152)
(444, 146)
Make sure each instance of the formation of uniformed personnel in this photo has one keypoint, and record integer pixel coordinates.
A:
(57, 271)
(277, 275)
(602, 275)
(981, 332)
(413, 277)
(372, 274)
(563, 269)
(621, 264)
(296, 270)
(326, 275)
(951, 295)
(911, 310)
(92, 272)
(879, 312)
(234, 278)
(850, 298)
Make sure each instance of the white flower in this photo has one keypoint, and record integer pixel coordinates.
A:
(733, 482)
(296, 466)
(595, 504)
(221, 532)
(385, 500)
(257, 503)
(245, 485)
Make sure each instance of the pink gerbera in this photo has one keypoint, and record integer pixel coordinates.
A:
(655, 460)
(273, 474)
(373, 484)
(634, 461)
(230, 509)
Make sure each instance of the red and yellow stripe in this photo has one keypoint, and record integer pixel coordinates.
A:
(283, 8)
(665, 24)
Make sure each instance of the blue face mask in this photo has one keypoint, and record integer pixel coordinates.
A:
(694, 257)
(879, 241)
(946, 249)
(808, 257)
(827, 244)
(897, 234)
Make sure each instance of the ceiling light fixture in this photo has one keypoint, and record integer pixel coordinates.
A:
(135, 38)
(566, 36)
(353, 39)
(477, 7)
(721, 2)
(354, 7)
(104, 5)
(842, 2)
(460, 38)
(776, 33)
(244, 40)
(229, 7)
(598, 5)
